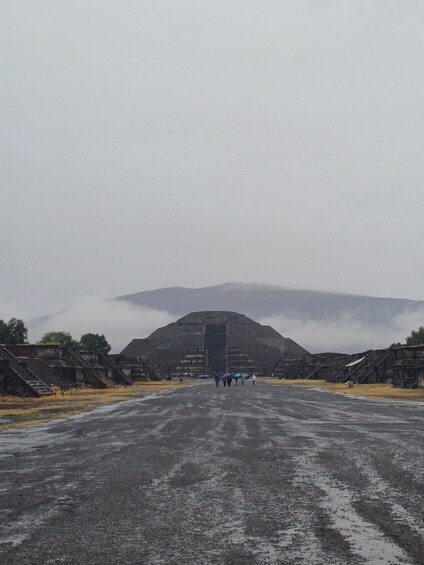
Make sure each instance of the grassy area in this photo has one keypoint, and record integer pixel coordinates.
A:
(16, 411)
(383, 391)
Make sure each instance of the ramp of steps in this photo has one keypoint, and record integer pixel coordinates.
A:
(36, 385)
(313, 374)
(95, 375)
(292, 371)
(118, 376)
(357, 370)
(340, 376)
(47, 374)
(373, 361)
(363, 370)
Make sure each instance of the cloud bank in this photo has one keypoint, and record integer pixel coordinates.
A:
(344, 334)
(122, 321)
(118, 320)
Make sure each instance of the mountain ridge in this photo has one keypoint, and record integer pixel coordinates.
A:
(258, 301)
(262, 287)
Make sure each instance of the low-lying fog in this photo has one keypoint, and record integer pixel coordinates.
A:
(122, 321)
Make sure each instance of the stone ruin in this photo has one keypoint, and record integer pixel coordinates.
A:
(39, 370)
(403, 366)
(206, 343)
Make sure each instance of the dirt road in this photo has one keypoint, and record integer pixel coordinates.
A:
(248, 475)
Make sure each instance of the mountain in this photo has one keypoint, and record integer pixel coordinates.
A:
(259, 301)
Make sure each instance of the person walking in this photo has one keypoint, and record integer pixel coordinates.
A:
(229, 380)
(217, 381)
(224, 380)
(253, 379)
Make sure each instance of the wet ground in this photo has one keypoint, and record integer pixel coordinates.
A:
(249, 475)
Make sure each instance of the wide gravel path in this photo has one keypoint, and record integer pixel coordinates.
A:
(249, 475)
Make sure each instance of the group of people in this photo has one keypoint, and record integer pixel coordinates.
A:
(227, 379)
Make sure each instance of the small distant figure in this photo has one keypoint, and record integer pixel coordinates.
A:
(253, 379)
(224, 380)
(236, 378)
(242, 379)
(229, 380)
(217, 381)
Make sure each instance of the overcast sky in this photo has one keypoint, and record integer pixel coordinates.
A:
(147, 144)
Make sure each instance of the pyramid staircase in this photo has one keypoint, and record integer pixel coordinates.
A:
(33, 385)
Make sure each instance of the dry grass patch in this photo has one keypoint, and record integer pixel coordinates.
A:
(383, 391)
(16, 411)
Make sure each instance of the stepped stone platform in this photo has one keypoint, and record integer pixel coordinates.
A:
(401, 365)
(59, 367)
(214, 342)
(17, 379)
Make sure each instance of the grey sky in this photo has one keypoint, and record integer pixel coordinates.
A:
(160, 143)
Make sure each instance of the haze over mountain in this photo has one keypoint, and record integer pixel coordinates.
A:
(319, 321)
(259, 301)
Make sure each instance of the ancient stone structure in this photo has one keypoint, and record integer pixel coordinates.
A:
(17, 379)
(38, 369)
(135, 368)
(372, 366)
(65, 361)
(403, 366)
(214, 342)
(408, 366)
